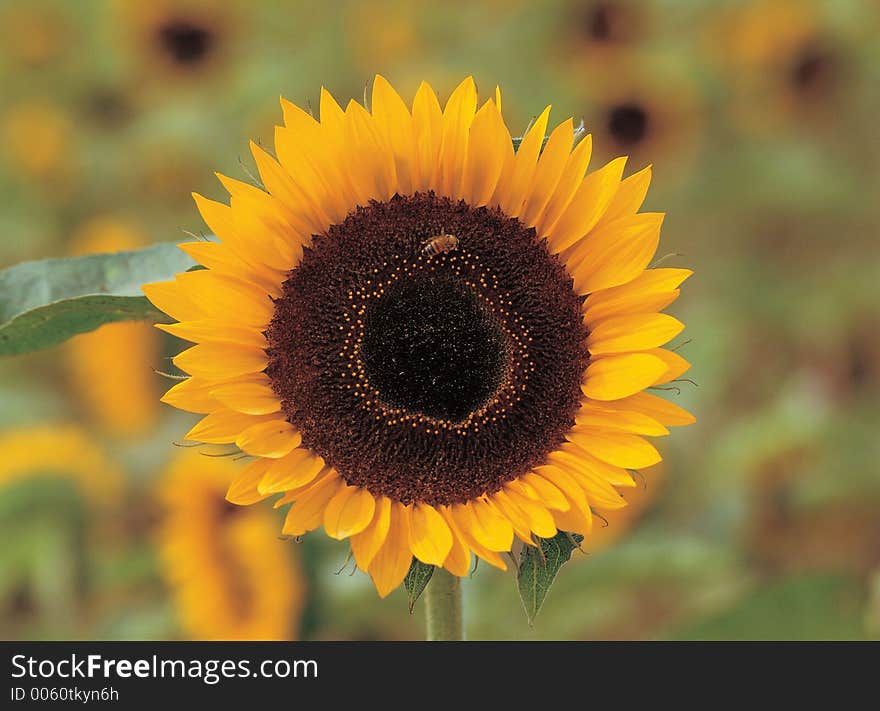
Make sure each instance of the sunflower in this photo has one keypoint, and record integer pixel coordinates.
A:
(429, 343)
(179, 39)
(232, 578)
(36, 138)
(603, 25)
(631, 116)
(784, 60)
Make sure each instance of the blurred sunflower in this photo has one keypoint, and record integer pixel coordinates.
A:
(111, 367)
(63, 451)
(37, 142)
(649, 117)
(430, 343)
(384, 32)
(232, 578)
(31, 35)
(180, 39)
(783, 61)
(606, 24)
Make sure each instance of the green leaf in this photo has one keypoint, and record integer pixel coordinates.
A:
(416, 579)
(45, 302)
(538, 568)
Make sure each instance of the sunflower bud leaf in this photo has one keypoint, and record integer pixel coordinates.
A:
(416, 580)
(45, 302)
(538, 569)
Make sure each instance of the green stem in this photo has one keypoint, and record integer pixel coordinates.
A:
(443, 605)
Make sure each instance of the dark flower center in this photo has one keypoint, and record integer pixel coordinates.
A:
(608, 21)
(628, 123)
(813, 70)
(428, 374)
(185, 41)
(431, 347)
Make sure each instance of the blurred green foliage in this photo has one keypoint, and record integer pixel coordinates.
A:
(765, 150)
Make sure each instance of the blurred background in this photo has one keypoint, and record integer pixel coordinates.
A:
(760, 118)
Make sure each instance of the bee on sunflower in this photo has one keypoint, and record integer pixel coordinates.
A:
(428, 404)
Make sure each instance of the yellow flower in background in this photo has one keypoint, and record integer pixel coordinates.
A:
(602, 26)
(62, 451)
(430, 344)
(651, 116)
(233, 579)
(112, 367)
(36, 140)
(384, 32)
(178, 38)
(783, 61)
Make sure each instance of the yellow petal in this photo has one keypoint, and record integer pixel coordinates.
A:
(192, 395)
(531, 484)
(243, 489)
(226, 297)
(587, 206)
(489, 528)
(538, 517)
(548, 172)
(619, 376)
(467, 538)
(395, 123)
(620, 449)
(274, 439)
(513, 190)
(430, 539)
(252, 395)
(391, 562)
(331, 112)
(575, 520)
(597, 490)
(663, 411)
(457, 118)
(428, 128)
(307, 511)
(675, 364)
(249, 246)
(221, 361)
(458, 562)
(612, 474)
(215, 331)
(365, 545)
(615, 254)
(293, 471)
(488, 147)
(503, 505)
(168, 297)
(569, 181)
(371, 167)
(593, 416)
(652, 290)
(578, 517)
(221, 427)
(630, 196)
(634, 332)
(350, 511)
(224, 260)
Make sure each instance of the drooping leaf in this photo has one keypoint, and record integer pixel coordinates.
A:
(45, 302)
(538, 568)
(416, 580)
